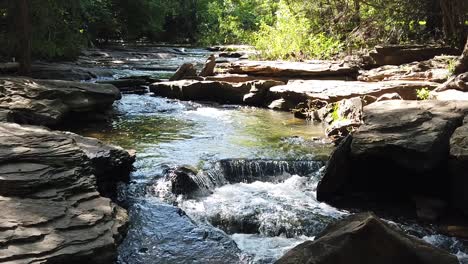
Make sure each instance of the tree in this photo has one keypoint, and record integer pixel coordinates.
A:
(23, 35)
(462, 65)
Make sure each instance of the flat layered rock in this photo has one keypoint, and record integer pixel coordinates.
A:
(333, 91)
(47, 102)
(292, 69)
(222, 92)
(433, 70)
(401, 151)
(401, 54)
(52, 211)
(365, 239)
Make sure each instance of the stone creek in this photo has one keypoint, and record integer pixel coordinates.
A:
(237, 221)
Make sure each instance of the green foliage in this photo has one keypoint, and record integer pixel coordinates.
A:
(423, 93)
(451, 66)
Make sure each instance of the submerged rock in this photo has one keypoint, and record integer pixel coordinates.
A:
(50, 103)
(401, 151)
(365, 239)
(52, 211)
(161, 233)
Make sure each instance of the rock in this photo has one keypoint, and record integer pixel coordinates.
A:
(183, 180)
(259, 92)
(49, 103)
(230, 48)
(365, 239)
(184, 71)
(400, 151)
(9, 67)
(222, 92)
(131, 85)
(338, 130)
(388, 97)
(449, 95)
(296, 92)
(68, 72)
(459, 83)
(458, 164)
(429, 209)
(281, 105)
(433, 70)
(311, 69)
(52, 211)
(208, 69)
(401, 54)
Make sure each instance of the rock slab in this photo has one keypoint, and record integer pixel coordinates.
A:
(49, 103)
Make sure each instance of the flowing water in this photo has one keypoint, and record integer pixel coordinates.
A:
(260, 169)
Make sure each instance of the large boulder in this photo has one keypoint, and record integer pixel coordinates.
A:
(46, 102)
(185, 71)
(365, 239)
(401, 151)
(52, 211)
(459, 167)
(209, 67)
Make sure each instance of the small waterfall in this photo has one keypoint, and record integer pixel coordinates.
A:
(182, 180)
(248, 171)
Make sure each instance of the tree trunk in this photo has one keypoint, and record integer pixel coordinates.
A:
(453, 17)
(23, 35)
(462, 65)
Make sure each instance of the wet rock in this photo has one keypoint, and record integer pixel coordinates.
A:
(429, 209)
(401, 54)
(292, 69)
(208, 69)
(458, 163)
(52, 211)
(172, 237)
(365, 239)
(130, 85)
(46, 102)
(296, 92)
(183, 180)
(399, 142)
(185, 71)
(388, 97)
(281, 105)
(222, 92)
(433, 70)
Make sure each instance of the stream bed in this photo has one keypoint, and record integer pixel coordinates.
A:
(238, 220)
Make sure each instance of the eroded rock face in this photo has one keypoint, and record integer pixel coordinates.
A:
(49, 103)
(222, 92)
(365, 239)
(401, 151)
(52, 211)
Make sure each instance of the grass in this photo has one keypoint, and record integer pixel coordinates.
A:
(423, 93)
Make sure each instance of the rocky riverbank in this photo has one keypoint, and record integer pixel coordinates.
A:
(53, 208)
